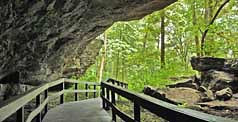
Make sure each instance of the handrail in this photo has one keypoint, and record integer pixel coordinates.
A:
(37, 111)
(162, 109)
(81, 82)
(16, 104)
(118, 83)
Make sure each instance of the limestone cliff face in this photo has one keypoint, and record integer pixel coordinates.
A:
(78, 64)
(38, 36)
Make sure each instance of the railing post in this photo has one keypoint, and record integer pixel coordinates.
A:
(46, 96)
(62, 96)
(118, 83)
(108, 98)
(136, 112)
(38, 102)
(114, 103)
(76, 94)
(113, 82)
(103, 95)
(94, 93)
(86, 87)
(20, 115)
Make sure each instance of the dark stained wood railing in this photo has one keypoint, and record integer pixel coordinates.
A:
(163, 109)
(109, 89)
(16, 104)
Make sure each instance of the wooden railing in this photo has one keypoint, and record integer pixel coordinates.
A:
(164, 110)
(16, 104)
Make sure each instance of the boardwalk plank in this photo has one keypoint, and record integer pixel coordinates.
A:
(81, 111)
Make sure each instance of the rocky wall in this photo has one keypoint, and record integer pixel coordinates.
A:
(38, 36)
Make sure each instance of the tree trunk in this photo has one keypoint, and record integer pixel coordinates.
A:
(103, 57)
(117, 64)
(208, 17)
(162, 36)
(196, 38)
(123, 69)
(145, 42)
(206, 14)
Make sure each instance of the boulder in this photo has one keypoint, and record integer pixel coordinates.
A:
(202, 89)
(207, 96)
(231, 66)
(207, 63)
(183, 95)
(148, 90)
(218, 80)
(224, 94)
(190, 83)
(210, 63)
(175, 95)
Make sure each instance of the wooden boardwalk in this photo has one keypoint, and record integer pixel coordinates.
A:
(93, 110)
(82, 111)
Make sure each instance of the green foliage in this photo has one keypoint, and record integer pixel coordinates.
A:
(133, 47)
(90, 75)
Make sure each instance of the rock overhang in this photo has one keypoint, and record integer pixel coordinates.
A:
(37, 37)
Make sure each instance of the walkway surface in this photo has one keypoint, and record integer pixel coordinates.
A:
(82, 111)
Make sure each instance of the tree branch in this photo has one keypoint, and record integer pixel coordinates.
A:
(213, 20)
